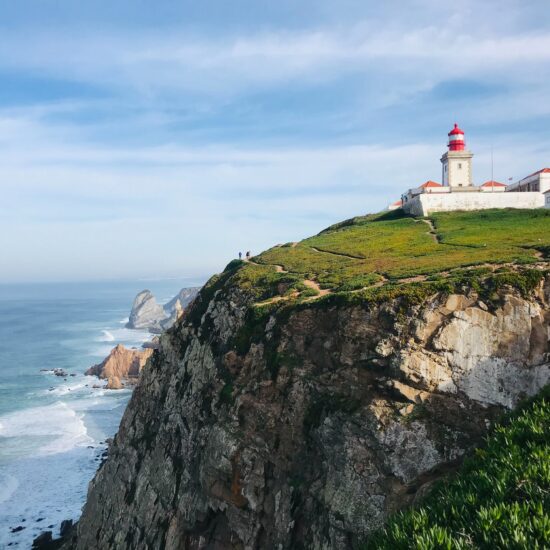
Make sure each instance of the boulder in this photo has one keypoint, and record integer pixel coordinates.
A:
(44, 540)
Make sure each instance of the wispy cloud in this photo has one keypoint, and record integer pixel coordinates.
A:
(150, 62)
(192, 136)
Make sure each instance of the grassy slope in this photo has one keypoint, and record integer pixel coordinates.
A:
(362, 251)
(499, 499)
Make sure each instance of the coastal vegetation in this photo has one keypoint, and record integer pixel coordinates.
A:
(383, 251)
(499, 499)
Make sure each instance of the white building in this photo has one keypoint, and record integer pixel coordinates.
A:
(539, 181)
(458, 191)
(547, 199)
(493, 187)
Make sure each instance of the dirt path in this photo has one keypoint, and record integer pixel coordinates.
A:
(315, 286)
(341, 254)
(432, 232)
(278, 268)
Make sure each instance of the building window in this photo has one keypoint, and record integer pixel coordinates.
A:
(460, 166)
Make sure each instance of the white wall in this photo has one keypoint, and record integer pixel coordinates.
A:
(460, 172)
(457, 168)
(423, 205)
(492, 189)
(547, 200)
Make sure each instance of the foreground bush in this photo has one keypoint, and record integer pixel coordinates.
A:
(499, 499)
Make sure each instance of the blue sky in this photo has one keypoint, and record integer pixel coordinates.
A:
(157, 139)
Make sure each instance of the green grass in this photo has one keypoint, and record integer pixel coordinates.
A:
(351, 257)
(490, 228)
(362, 251)
(500, 498)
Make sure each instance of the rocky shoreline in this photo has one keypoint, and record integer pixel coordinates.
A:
(119, 370)
(122, 367)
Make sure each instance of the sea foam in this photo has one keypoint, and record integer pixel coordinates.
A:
(106, 336)
(62, 426)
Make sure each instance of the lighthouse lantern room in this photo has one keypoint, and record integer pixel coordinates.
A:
(457, 162)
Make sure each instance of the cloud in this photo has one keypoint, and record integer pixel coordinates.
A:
(186, 142)
(166, 62)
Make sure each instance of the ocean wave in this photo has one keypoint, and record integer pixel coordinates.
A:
(65, 389)
(128, 337)
(8, 486)
(58, 422)
(43, 490)
(106, 336)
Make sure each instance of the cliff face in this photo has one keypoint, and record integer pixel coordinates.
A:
(307, 429)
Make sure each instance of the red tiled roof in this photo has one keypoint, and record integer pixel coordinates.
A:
(397, 203)
(430, 183)
(542, 171)
(493, 183)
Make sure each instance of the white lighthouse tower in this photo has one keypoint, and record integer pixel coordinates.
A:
(457, 162)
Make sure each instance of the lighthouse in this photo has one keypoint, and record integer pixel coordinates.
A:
(457, 162)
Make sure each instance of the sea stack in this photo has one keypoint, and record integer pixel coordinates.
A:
(121, 364)
(146, 312)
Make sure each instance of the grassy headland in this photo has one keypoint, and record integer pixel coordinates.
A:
(392, 248)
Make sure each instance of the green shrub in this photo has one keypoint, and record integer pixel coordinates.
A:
(499, 499)
(308, 291)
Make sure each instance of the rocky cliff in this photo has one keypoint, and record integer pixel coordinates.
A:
(264, 425)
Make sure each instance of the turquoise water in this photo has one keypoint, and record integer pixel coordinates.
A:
(53, 429)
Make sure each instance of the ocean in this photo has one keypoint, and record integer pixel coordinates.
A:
(53, 429)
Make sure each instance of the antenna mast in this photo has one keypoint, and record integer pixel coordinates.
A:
(492, 165)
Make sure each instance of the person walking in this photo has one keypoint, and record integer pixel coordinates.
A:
(248, 255)
(240, 255)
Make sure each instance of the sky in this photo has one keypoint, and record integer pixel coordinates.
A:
(145, 139)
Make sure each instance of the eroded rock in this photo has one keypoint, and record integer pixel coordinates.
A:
(121, 363)
(330, 421)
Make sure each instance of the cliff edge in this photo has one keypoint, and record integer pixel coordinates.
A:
(307, 395)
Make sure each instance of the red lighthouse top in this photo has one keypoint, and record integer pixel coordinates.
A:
(456, 139)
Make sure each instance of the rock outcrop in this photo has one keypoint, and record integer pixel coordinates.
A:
(306, 428)
(121, 364)
(176, 313)
(146, 312)
(185, 296)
